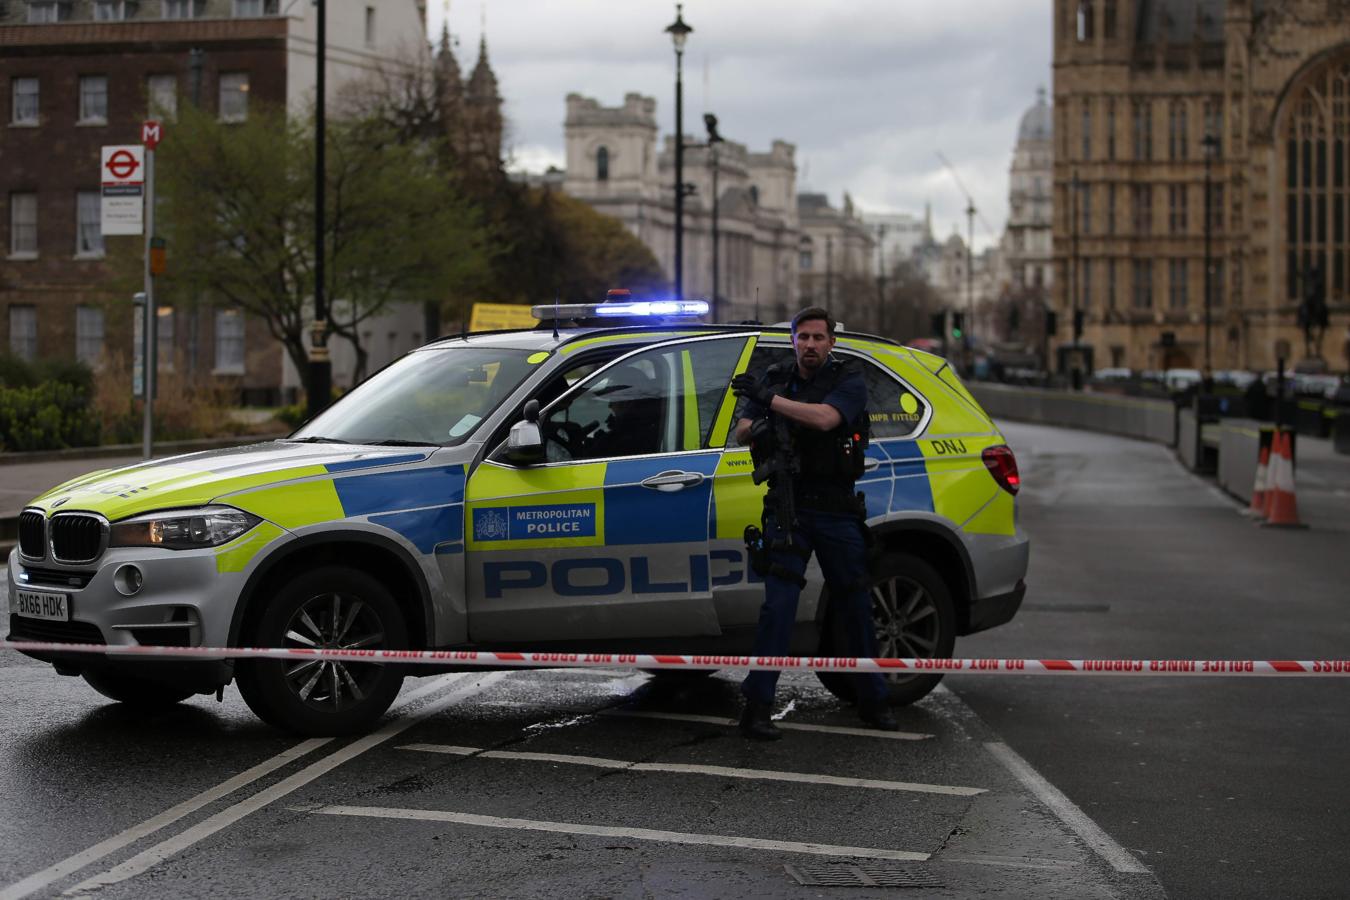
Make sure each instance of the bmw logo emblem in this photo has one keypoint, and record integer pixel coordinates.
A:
(59, 502)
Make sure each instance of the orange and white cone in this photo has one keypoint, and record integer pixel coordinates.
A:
(1283, 506)
(1258, 504)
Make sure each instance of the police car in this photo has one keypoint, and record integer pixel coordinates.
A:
(576, 486)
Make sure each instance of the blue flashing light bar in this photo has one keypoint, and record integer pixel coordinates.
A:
(637, 309)
(654, 308)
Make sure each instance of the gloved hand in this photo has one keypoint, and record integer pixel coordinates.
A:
(749, 387)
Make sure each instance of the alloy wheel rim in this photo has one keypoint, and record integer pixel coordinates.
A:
(906, 620)
(333, 621)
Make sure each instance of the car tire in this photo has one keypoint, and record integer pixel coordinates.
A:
(330, 607)
(914, 615)
(142, 693)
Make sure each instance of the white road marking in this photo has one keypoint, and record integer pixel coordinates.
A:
(72, 864)
(153, 856)
(792, 726)
(694, 769)
(641, 834)
(1079, 823)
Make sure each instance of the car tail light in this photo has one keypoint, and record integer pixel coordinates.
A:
(1003, 466)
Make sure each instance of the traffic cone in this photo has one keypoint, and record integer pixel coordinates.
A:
(1274, 460)
(1283, 512)
(1258, 504)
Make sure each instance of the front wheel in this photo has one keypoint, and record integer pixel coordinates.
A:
(914, 617)
(333, 607)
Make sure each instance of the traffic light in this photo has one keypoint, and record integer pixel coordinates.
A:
(958, 325)
(1078, 318)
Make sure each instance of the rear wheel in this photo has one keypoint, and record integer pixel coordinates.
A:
(333, 607)
(142, 693)
(914, 617)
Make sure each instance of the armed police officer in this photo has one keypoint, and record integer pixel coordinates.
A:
(806, 423)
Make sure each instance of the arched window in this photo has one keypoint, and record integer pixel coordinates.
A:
(1317, 184)
(1085, 20)
(1108, 19)
(602, 164)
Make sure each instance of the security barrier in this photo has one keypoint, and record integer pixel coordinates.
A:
(1149, 420)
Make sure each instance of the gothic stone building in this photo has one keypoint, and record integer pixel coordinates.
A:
(1140, 85)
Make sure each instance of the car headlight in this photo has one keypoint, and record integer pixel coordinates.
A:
(183, 529)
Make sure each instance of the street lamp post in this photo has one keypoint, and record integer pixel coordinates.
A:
(1076, 373)
(320, 367)
(881, 279)
(967, 337)
(679, 33)
(710, 122)
(1210, 143)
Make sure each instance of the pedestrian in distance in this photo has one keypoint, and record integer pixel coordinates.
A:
(812, 413)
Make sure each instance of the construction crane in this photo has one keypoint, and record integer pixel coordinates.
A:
(967, 336)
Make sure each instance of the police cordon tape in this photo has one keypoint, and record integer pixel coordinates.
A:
(539, 660)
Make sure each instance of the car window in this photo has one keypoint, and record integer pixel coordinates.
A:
(893, 409)
(433, 396)
(662, 400)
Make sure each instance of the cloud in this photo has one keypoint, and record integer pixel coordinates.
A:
(869, 90)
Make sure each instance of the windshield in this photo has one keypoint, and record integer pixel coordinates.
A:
(431, 397)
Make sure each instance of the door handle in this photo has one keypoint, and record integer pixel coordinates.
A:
(673, 480)
(871, 464)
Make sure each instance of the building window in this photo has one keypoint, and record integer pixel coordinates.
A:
(113, 10)
(183, 9)
(754, 194)
(88, 223)
(1085, 285)
(1108, 19)
(1143, 131)
(805, 261)
(1317, 185)
(23, 224)
(1085, 208)
(1110, 284)
(1143, 284)
(229, 342)
(1176, 284)
(41, 12)
(1087, 128)
(1216, 282)
(24, 110)
(161, 92)
(602, 164)
(1110, 209)
(88, 334)
(233, 96)
(1177, 147)
(1111, 128)
(23, 332)
(370, 26)
(94, 100)
(244, 9)
(164, 319)
(1085, 20)
(1143, 208)
(1215, 207)
(1176, 208)
(1213, 115)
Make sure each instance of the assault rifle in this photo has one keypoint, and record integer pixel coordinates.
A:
(775, 458)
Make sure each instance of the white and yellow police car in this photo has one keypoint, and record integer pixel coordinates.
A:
(572, 487)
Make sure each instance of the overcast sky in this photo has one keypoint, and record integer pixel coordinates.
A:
(869, 90)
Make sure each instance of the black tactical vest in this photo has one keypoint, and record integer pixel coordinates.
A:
(831, 461)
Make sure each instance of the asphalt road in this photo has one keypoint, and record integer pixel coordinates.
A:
(597, 784)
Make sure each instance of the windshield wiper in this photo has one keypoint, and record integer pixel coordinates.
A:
(316, 440)
(399, 442)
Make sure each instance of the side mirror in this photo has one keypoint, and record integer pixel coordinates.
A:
(531, 411)
(525, 444)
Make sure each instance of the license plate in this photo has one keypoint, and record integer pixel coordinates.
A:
(42, 605)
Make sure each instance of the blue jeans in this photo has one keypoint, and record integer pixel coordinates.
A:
(838, 543)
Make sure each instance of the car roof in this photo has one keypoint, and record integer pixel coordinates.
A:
(543, 337)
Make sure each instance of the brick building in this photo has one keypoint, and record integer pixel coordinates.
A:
(1149, 95)
(76, 75)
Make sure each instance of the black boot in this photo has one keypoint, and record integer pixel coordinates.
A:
(756, 722)
(879, 717)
